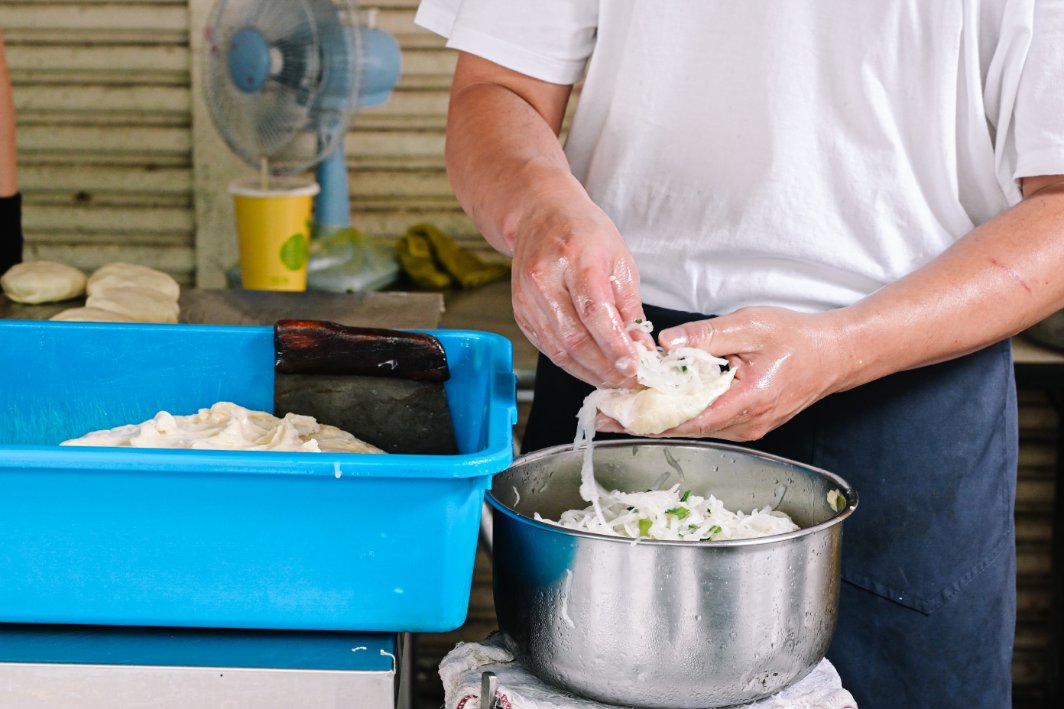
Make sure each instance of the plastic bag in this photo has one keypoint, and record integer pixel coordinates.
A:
(347, 261)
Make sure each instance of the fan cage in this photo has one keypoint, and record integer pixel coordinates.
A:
(302, 112)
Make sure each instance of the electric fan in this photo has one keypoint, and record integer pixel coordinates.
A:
(283, 79)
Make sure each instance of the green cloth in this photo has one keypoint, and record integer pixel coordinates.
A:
(434, 260)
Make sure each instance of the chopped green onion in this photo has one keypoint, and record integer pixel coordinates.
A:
(686, 494)
(713, 531)
(680, 512)
(644, 527)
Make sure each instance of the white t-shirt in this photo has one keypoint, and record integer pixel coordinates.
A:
(800, 153)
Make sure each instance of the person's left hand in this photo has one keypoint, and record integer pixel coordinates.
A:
(785, 362)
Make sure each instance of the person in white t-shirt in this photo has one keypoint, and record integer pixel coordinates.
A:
(855, 203)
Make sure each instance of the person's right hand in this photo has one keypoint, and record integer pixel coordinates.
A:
(575, 290)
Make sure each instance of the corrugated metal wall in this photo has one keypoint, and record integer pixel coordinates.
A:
(102, 95)
(106, 104)
(1035, 495)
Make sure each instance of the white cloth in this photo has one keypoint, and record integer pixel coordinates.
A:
(462, 668)
(800, 153)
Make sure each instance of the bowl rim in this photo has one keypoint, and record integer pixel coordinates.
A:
(848, 491)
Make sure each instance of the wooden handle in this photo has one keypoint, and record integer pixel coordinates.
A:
(321, 347)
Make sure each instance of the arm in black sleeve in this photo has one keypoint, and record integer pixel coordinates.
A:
(10, 231)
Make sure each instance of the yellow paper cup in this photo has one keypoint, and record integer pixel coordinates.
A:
(273, 231)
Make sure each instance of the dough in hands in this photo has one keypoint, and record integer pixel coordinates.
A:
(648, 412)
(140, 304)
(674, 387)
(90, 315)
(125, 275)
(42, 282)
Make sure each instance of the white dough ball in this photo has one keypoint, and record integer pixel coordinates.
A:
(140, 304)
(42, 282)
(126, 275)
(90, 315)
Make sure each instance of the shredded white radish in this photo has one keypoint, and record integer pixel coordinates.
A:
(671, 514)
(682, 371)
(585, 434)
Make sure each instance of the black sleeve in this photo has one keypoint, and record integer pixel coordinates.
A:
(10, 231)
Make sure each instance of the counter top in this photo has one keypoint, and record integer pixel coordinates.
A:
(488, 308)
(246, 307)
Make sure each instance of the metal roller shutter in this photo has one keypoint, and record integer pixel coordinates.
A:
(103, 102)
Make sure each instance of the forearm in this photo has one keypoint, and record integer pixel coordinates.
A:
(574, 283)
(503, 156)
(998, 280)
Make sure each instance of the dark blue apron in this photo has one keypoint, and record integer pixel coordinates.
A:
(927, 613)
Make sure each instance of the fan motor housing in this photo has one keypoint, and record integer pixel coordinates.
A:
(249, 60)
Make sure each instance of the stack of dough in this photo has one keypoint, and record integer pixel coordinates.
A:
(229, 426)
(126, 292)
(42, 282)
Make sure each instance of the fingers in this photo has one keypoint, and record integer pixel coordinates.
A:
(700, 334)
(600, 318)
(555, 328)
(624, 282)
(736, 333)
(571, 313)
(575, 290)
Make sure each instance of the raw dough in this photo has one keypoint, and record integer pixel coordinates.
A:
(674, 387)
(90, 315)
(125, 275)
(229, 426)
(140, 304)
(648, 412)
(42, 282)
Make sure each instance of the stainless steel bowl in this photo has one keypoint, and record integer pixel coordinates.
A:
(658, 623)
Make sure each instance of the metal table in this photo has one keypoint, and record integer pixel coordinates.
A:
(50, 666)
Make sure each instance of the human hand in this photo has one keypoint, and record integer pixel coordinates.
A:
(784, 361)
(575, 290)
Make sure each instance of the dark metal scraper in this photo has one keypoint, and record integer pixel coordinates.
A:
(384, 386)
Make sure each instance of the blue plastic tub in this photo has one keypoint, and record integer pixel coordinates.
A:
(236, 539)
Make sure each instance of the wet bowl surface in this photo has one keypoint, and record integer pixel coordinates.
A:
(662, 623)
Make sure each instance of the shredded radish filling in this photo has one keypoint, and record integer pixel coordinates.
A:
(671, 514)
